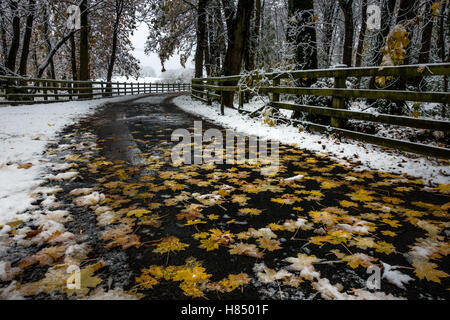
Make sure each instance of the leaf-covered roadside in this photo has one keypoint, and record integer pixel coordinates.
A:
(227, 232)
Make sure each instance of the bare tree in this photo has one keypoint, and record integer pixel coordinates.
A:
(27, 38)
(15, 42)
(347, 10)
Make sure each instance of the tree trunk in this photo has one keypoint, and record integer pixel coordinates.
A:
(84, 73)
(207, 46)
(112, 59)
(240, 30)
(362, 34)
(27, 39)
(387, 12)
(15, 42)
(424, 56)
(346, 7)
(201, 35)
(328, 27)
(4, 51)
(427, 34)
(214, 39)
(84, 42)
(253, 39)
(73, 58)
(305, 40)
(361, 40)
(49, 60)
(229, 10)
(442, 53)
(406, 14)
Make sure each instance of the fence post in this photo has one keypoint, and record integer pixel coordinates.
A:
(45, 85)
(241, 100)
(222, 106)
(338, 102)
(55, 91)
(70, 86)
(276, 96)
(208, 97)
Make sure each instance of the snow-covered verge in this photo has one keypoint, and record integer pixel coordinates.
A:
(24, 133)
(366, 156)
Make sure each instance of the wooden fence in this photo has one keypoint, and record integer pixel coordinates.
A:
(14, 90)
(276, 84)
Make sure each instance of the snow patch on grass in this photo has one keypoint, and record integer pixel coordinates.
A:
(25, 131)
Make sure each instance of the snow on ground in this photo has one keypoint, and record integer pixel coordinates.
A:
(24, 133)
(369, 156)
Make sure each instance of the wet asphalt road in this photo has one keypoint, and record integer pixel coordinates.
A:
(135, 139)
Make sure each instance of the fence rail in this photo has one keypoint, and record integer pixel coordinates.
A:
(16, 90)
(280, 83)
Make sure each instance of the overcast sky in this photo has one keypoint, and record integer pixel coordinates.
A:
(139, 38)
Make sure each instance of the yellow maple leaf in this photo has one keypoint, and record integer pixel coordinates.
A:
(57, 278)
(392, 200)
(196, 274)
(384, 247)
(269, 244)
(364, 242)
(246, 249)
(194, 222)
(241, 199)
(275, 227)
(392, 223)
(443, 188)
(338, 237)
(389, 233)
(209, 245)
(145, 280)
(234, 281)
(170, 244)
(201, 235)
(137, 213)
(362, 195)
(213, 217)
(359, 259)
(252, 212)
(348, 204)
(427, 270)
